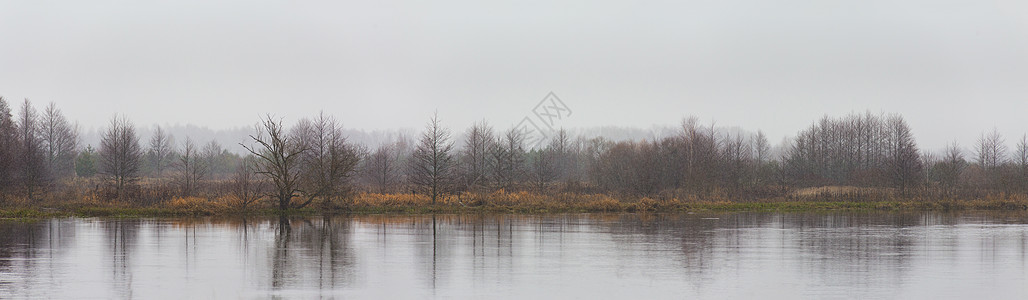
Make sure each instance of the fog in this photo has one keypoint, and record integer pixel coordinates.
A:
(952, 68)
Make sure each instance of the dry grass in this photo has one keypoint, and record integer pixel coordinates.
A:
(92, 202)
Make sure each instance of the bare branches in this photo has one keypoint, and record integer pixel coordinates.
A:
(120, 153)
(59, 142)
(191, 168)
(161, 148)
(431, 165)
(278, 159)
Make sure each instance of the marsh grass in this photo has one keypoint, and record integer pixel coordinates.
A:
(813, 199)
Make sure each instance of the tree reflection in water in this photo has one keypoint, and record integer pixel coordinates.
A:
(499, 256)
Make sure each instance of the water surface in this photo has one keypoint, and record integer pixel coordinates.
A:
(585, 256)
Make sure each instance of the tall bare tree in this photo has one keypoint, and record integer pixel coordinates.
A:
(1021, 163)
(8, 146)
(543, 168)
(60, 142)
(508, 157)
(991, 153)
(381, 169)
(212, 156)
(31, 159)
(431, 165)
(474, 157)
(905, 162)
(120, 154)
(329, 162)
(161, 147)
(278, 159)
(191, 168)
(991, 150)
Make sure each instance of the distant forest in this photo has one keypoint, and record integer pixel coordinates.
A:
(313, 161)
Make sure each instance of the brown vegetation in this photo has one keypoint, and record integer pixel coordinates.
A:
(866, 161)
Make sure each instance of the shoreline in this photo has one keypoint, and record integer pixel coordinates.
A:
(645, 205)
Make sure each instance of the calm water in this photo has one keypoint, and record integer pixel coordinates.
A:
(628, 256)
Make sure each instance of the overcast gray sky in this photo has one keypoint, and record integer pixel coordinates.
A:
(952, 68)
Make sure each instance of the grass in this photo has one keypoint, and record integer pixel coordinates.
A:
(816, 199)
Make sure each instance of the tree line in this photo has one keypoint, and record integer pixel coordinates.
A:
(312, 161)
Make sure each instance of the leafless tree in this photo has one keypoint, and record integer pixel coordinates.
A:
(543, 168)
(905, 162)
(161, 147)
(737, 162)
(991, 150)
(329, 162)
(761, 148)
(1021, 161)
(431, 165)
(474, 158)
(563, 154)
(950, 166)
(508, 157)
(191, 169)
(8, 146)
(246, 185)
(212, 157)
(60, 142)
(382, 169)
(991, 155)
(120, 154)
(31, 159)
(278, 159)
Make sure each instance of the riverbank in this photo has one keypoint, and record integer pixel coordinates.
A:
(518, 203)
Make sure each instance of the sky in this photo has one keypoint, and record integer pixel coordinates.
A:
(953, 69)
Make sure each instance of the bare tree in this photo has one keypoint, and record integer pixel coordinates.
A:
(474, 159)
(991, 150)
(951, 164)
(543, 167)
(246, 186)
(278, 159)
(431, 165)
(1021, 161)
(31, 159)
(212, 156)
(329, 161)
(120, 154)
(991, 155)
(508, 157)
(382, 169)
(192, 168)
(8, 146)
(60, 142)
(161, 147)
(906, 164)
(761, 148)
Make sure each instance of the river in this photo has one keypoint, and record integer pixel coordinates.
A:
(912, 255)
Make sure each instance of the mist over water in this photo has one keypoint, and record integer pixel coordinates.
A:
(738, 255)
